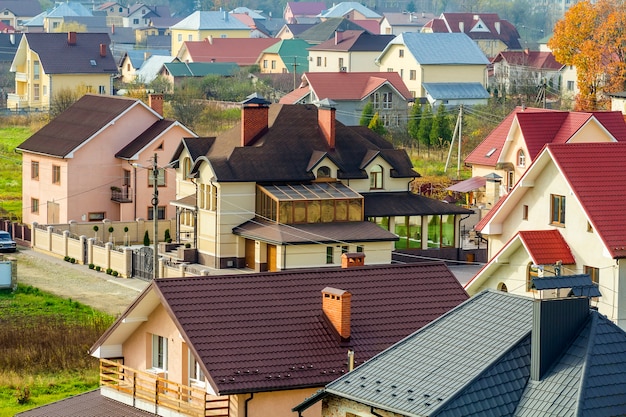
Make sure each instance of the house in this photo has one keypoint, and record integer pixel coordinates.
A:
(450, 59)
(54, 19)
(512, 146)
(285, 56)
(15, 12)
(237, 341)
(177, 72)
(324, 31)
(355, 12)
(292, 187)
(351, 91)
(255, 21)
(9, 43)
(107, 135)
(562, 217)
(395, 23)
(201, 25)
(303, 11)
(348, 51)
(141, 15)
(496, 354)
(151, 68)
(291, 30)
(519, 71)
(40, 75)
(492, 34)
(242, 51)
(133, 60)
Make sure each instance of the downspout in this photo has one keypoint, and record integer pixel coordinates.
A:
(245, 406)
(284, 257)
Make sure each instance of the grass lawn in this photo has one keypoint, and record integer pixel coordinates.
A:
(11, 170)
(44, 341)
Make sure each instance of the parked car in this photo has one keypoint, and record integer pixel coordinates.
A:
(7, 244)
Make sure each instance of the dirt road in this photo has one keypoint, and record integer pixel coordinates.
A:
(96, 289)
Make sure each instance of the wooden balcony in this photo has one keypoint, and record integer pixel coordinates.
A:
(153, 393)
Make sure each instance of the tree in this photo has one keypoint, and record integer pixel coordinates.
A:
(377, 125)
(367, 114)
(64, 98)
(146, 239)
(440, 131)
(71, 26)
(186, 105)
(590, 37)
(413, 126)
(426, 123)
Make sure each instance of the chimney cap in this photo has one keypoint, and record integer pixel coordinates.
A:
(325, 103)
(334, 291)
(255, 98)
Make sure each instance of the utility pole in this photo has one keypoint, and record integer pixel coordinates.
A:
(155, 217)
(295, 76)
(457, 128)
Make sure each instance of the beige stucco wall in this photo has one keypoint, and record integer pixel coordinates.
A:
(334, 406)
(276, 404)
(312, 256)
(389, 183)
(352, 61)
(182, 35)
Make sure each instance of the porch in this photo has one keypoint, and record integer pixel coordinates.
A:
(154, 393)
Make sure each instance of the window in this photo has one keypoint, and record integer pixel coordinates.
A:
(401, 73)
(387, 100)
(45, 90)
(376, 178)
(324, 61)
(389, 69)
(329, 255)
(196, 376)
(265, 63)
(135, 21)
(318, 61)
(190, 37)
(344, 249)
(34, 205)
(570, 86)
(340, 63)
(521, 159)
(159, 352)
(524, 212)
(323, 172)
(557, 210)
(401, 53)
(160, 213)
(186, 168)
(55, 25)
(36, 92)
(160, 178)
(101, 90)
(412, 75)
(56, 174)
(127, 67)
(594, 273)
(36, 70)
(589, 227)
(376, 100)
(273, 64)
(359, 249)
(34, 170)
(180, 37)
(97, 216)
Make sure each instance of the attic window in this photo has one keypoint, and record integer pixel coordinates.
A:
(491, 152)
(92, 62)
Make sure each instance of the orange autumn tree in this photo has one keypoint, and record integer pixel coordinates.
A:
(591, 37)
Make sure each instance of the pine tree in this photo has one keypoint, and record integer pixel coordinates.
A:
(413, 125)
(367, 114)
(440, 131)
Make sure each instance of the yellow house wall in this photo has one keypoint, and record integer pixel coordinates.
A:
(491, 47)
(182, 35)
(280, 65)
(313, 256)
(353, 61)
(591, 132)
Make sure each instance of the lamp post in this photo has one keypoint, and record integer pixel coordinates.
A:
(155, 217)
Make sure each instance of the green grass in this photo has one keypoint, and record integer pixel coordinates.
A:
(11, 169)
(44, 342)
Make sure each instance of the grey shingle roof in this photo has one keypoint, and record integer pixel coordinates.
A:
(580, 284)
(456, 91)
(405, 203)
(21, 8)
(209, 20)
(442, 48)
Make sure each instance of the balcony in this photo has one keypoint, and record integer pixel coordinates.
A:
(21, 77)
(155, 394)
(121, 195)
(17, 101)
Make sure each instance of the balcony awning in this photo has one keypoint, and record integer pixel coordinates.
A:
(188, 202)
(466, 186)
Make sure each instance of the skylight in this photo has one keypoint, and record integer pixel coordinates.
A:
(92, 62)
(491, 151)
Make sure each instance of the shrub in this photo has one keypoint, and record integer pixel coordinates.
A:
(96, 228)
(187, 245)
(111, 229)
(146, 239)
(114, 273)
(73, 260)
(168, 238)
(66, 258)
(91, 266)
(109, 270)
(125, 229)
(98, 268)
(22, 395)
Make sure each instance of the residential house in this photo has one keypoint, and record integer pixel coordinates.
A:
(451, 60)
(492, 34)
(256, 21)
(9, 43)
(569, 77)
(496, 354)
(285, 56)
(242, 51)
(355, 12)
(522, 71)
(177, 72)
(40, 75)
(351, 91)
(141, 15)
(15, 12)
(292, 187)
(303, 11)
(291, 30)
(151, 68)
(201, 25)
(54, 19)
(350, 50)
(133, 60)
(237, 343)
(512, 146)
(79, 167)
(561, 218)
(395, 23)
(326, 30)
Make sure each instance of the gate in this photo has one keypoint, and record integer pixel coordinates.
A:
(142, 263)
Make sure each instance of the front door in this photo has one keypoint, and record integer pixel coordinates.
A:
(53, 212)
(250, 250)
(271, 258)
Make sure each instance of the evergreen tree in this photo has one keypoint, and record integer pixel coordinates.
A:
(413, 125)
(426, 123)
(367, 114)
(377, 125)
(440, 131)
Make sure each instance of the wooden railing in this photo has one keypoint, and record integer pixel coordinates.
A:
(153, 388)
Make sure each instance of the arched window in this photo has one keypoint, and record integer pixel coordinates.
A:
(376, 178)
(521, 158)
(502, 287)
(323, 172)
(186, 168)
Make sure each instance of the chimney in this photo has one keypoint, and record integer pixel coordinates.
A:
(254, 118)
(103, 50)
(146, 55)
(497, 25)
(350, 260)
(336, 308)
(225, 16)
(555, 324)
(326, 120)
(155, 101)
(462, 27)
(492, 187)
(113, 29)
(338, 37)
(210, 39)
(71, 38)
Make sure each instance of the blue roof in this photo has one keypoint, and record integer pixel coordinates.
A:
(455, 91)
(69, 9)
(201, 20)
(580, 284)
(138, 56)
(441, 48)
(151, 68)
(343, 8)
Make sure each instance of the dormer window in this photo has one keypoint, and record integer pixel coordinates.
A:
(376, 178)
(323, 172)
(521, 159)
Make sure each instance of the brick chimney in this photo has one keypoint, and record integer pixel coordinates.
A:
(326, 121)
(350, 260)
(155, 101)
(71, 38)
(254, 118)
(338, 37)
(103, 50)
(336, 308)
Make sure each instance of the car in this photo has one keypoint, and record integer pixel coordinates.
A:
(7, 244)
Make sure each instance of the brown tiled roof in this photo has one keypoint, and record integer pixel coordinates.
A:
(405, 203)
(266, 332)
(294, 234)
(451, 23)
(89, 404)
(76, 125)
(284, 152)
(75, 59)
(141, 141)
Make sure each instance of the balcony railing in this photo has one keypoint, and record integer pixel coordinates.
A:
(146, 388)
(121, 195)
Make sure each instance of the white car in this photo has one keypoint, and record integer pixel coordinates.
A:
(7, 244)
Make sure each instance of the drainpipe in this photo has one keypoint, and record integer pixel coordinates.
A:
(284, 257)
(460, 248)
(245, 407)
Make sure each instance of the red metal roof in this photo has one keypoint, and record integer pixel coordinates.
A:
(533, 59)
(352, 85)
(546, 247)
(243, 51)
